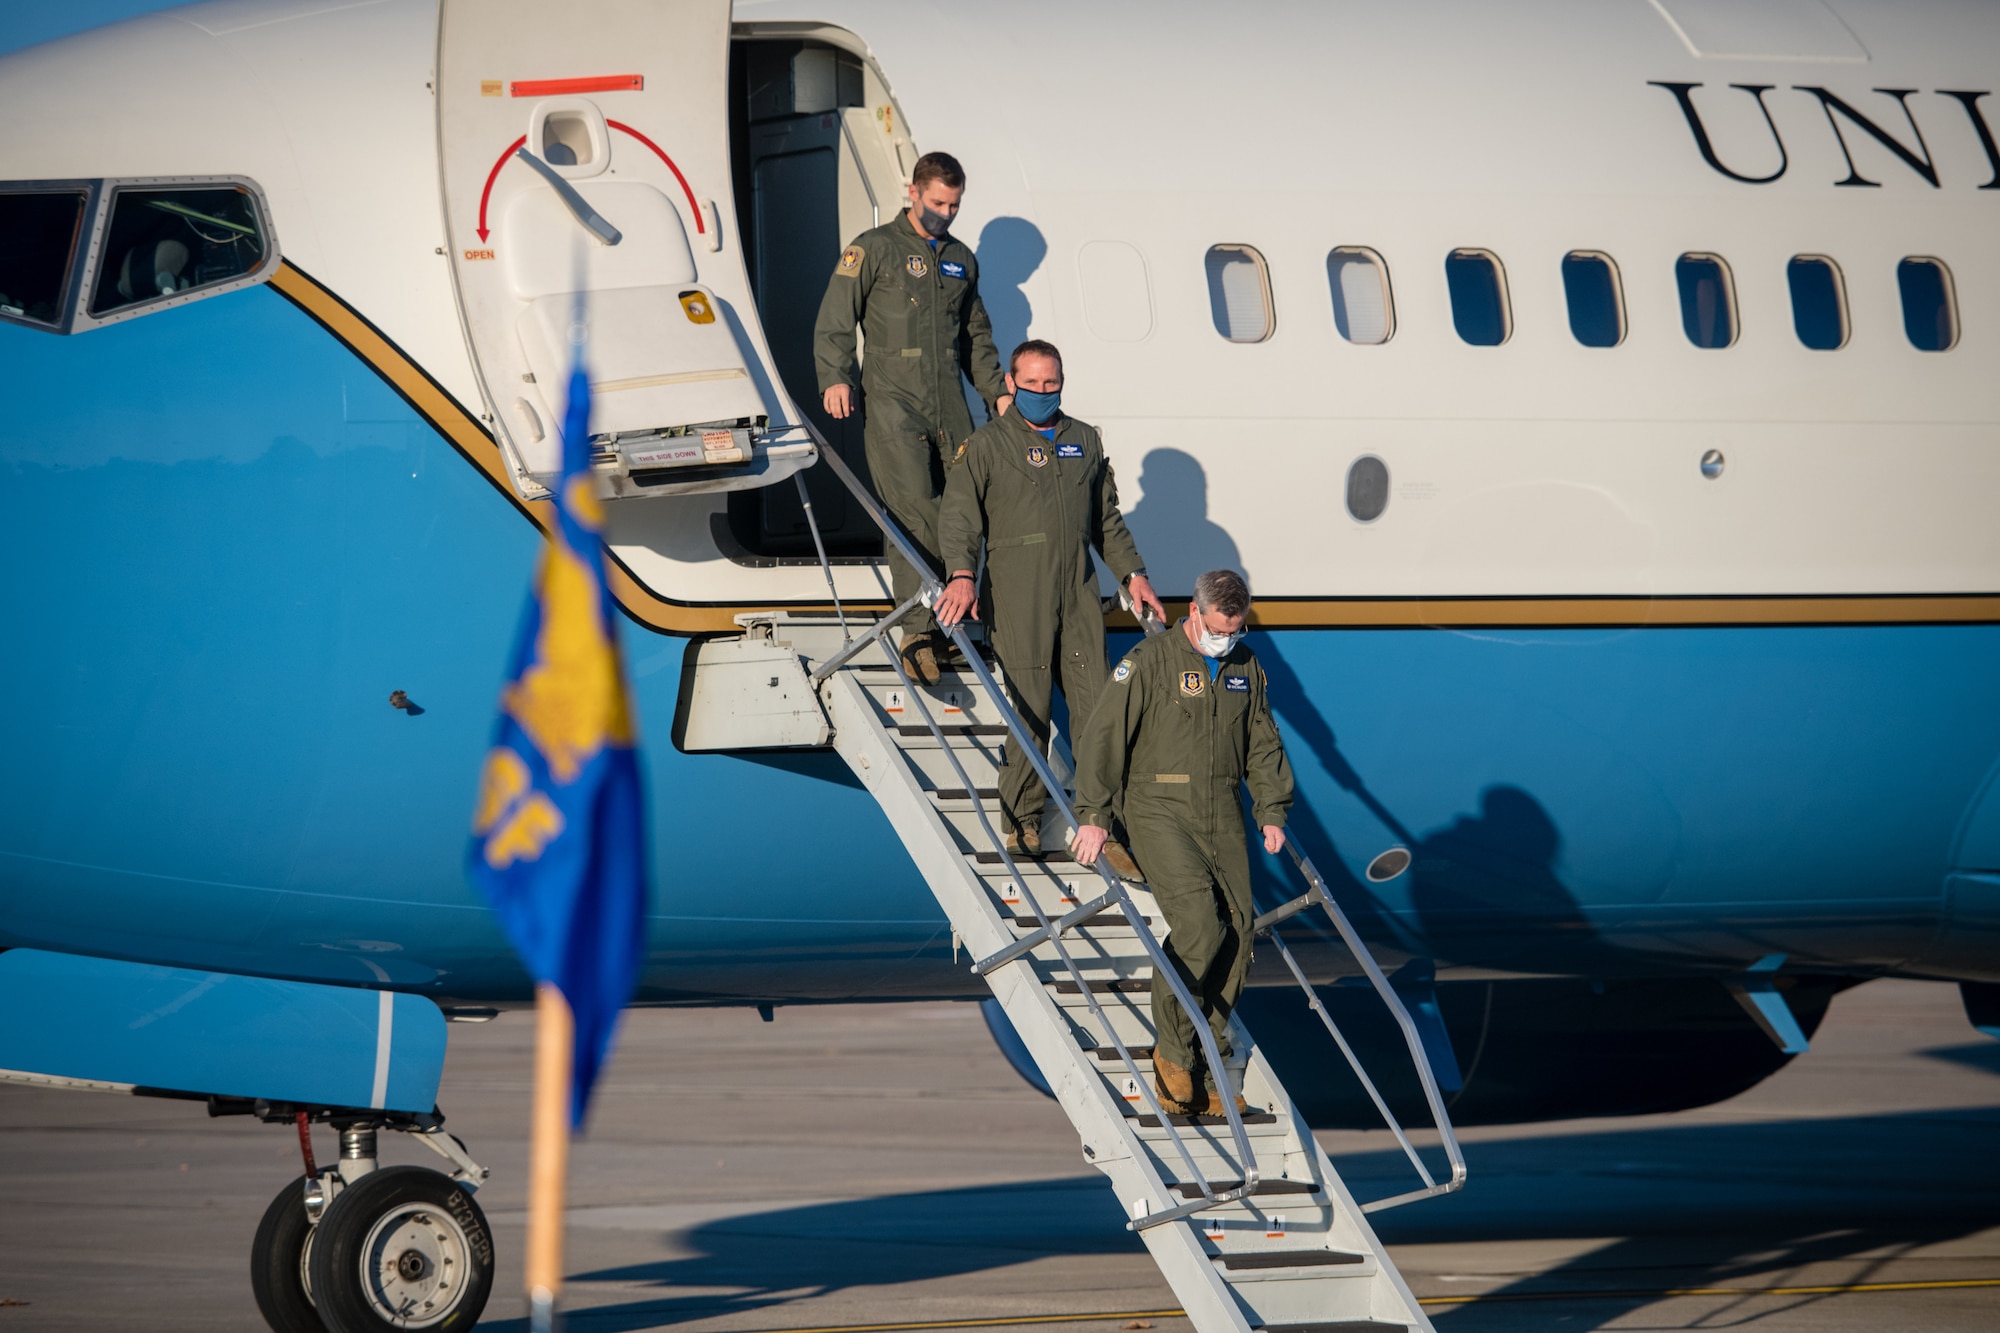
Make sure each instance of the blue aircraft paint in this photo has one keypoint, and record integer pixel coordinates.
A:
(242, 541)
(218, 1033)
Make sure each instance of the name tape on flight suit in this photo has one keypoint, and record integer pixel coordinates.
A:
(1069, 451)
(952, 270)
(1236, 684)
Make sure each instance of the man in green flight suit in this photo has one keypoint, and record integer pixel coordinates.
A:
(914, 289)
(1036, 487)
(1186, 719)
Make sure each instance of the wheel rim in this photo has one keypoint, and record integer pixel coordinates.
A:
(414, 1266)
(305, 1266)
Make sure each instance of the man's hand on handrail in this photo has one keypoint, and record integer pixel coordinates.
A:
(1087, 843)
(1145, 600)
(959, 599)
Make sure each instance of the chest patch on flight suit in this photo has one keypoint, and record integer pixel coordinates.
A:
(917, 266)
(850, 261)
(1038, 455)
(1193, 682)
(1069, 451)
(950, 269)
(1124, 670)
(1236, 684)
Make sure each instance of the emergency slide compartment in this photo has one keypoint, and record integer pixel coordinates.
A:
(586, 188)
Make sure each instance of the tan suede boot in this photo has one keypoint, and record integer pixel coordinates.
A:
(1025, 843)
(1175, 1086)
(1121, 862)
(920, 657)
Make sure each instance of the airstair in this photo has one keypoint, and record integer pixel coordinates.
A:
(1244, 1214)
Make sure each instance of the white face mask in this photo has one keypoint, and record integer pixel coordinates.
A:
(1214, 645)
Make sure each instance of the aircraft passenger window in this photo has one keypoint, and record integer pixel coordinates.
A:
(1708, 299)
(1478, 297)
(1363, 309)
(1596, 298)
(1819, 302)
(1930, 306)
(41, 228)
(1239, 294)
(166, 241)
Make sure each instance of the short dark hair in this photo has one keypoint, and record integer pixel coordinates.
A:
(940, 167)
(1034, 347)
(1222, 590)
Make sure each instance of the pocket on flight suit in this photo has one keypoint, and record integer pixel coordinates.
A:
(1015, 570)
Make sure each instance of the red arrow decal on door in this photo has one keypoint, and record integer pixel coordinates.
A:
(700, 225)
(493, 175)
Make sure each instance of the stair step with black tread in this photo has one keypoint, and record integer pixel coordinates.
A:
(1264, 1187)
(1336, 1326)
(1252, 1260)
(1112, 986)
(1151, 1121)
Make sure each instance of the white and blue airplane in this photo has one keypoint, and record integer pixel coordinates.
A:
(1598, 394)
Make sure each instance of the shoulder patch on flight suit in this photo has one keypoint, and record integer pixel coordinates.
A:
(1124, 670)
(1038, 455)
(1193, 682)
(1236, 684)
(850, 261)
(917, 266)
(951, 269)
(1069, 451)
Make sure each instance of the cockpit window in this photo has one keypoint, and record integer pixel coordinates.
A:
(78, 253)
(39, 231)
(162, 242)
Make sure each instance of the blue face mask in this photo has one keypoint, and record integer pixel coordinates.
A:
(1038, 408)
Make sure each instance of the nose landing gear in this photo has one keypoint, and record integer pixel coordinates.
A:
(359, 1248)
(404, 1247)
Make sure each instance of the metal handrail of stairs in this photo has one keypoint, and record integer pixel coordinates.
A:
(1317, 894)
(931, 588)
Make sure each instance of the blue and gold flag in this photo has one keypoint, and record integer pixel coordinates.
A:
(559, 835)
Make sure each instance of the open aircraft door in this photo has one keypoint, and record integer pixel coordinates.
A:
(584, 151)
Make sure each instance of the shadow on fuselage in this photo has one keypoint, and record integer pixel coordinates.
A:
(1010, 250)
(1172, 527)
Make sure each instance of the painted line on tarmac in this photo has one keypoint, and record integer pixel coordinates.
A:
(1842, 1289)
(986, 1323)
(1657, 1293)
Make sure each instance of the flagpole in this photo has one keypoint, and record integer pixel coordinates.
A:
(548, 1154)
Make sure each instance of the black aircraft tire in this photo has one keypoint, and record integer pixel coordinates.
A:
(277, 1255)
(402, 1238)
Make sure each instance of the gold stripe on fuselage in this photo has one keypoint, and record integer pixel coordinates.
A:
(476, 444)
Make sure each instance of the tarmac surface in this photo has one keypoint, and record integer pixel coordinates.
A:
(881, 1165)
